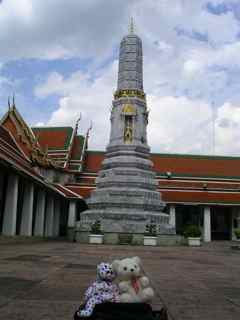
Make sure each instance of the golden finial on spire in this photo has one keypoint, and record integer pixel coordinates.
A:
(131, 25)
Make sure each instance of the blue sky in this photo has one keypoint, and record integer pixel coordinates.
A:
(61, 60)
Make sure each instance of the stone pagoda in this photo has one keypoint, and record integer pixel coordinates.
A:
(126, 196)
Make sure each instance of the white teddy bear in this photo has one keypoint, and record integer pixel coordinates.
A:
(133, 286)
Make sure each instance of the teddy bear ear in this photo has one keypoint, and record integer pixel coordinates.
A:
(137, 260)
(115, 265)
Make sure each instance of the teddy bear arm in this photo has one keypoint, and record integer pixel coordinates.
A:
(89, 293)
(144, 282)
(115, 289)
(126, 298)
(147, 294)
(88, 309)
(123, 286)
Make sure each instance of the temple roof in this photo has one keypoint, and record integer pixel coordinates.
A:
(189, 179)
(25, 139)
(22, 133)
(12, 157)
(63, 145)
(181, 165)
(77, 147)
(57, 138)
(182, 178)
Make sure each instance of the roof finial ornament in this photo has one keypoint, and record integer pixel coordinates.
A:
(90, 128)
(77, 122)
(13, 101)
(131, 26)
(9, 105)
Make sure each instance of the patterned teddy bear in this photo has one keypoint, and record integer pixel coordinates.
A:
(101, 290)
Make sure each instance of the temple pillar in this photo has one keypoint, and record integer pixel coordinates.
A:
(40, 210)
(238, 217)
(72, 214)
(56, 221)
(49, 217)
(172, 216)
(207, 224)
(71, 220)
(27, 211)
(2, 181)
(235, 221)
(10, 210)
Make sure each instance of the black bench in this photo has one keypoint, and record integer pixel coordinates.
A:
(125, 311)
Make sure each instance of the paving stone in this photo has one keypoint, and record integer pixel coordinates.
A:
(80, 266)
(11, 286)
(47, 280)
(28, 257)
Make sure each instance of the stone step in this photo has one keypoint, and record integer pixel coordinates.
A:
(125, 238)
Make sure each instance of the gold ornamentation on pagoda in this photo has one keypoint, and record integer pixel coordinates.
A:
(128, 109)
(128, 136)
(130, 93)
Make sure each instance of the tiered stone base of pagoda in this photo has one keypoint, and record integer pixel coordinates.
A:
(126, 197)
(125, 221)
(124, 214)
(126, 226)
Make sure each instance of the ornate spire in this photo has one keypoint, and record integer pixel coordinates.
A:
(130, 62)
(131, 26)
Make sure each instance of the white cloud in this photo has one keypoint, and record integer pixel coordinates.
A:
(39, 124)
(227, 127)
(202, 58)
(79, 94)
(174, 126)
(177, 124)
(58, 29)
(18, 9)
(183, 73)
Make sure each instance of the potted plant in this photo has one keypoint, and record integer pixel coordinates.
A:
(237, 233)
(150, 235)
(96, 235)
(193, 235)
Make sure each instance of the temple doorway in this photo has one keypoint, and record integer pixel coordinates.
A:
(187, 215)
(221, 223)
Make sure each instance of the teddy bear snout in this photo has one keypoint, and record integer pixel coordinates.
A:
(132, 270)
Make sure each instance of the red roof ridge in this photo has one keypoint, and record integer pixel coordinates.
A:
(68, 190)
(195, 156)
(51, 127)
(16, 143)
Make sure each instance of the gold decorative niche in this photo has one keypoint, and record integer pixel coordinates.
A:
(128, 111)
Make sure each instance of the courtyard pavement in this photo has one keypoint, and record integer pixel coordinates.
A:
(46, 280)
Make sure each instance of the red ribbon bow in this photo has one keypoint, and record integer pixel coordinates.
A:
(135, 285)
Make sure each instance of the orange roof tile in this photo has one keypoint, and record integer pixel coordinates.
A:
(200, 197)
(57, 138)
(93, 161)
(67, 191)
(10, 126)
(82, 191)
(77, 147)
(199, 166)
(181, 165)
